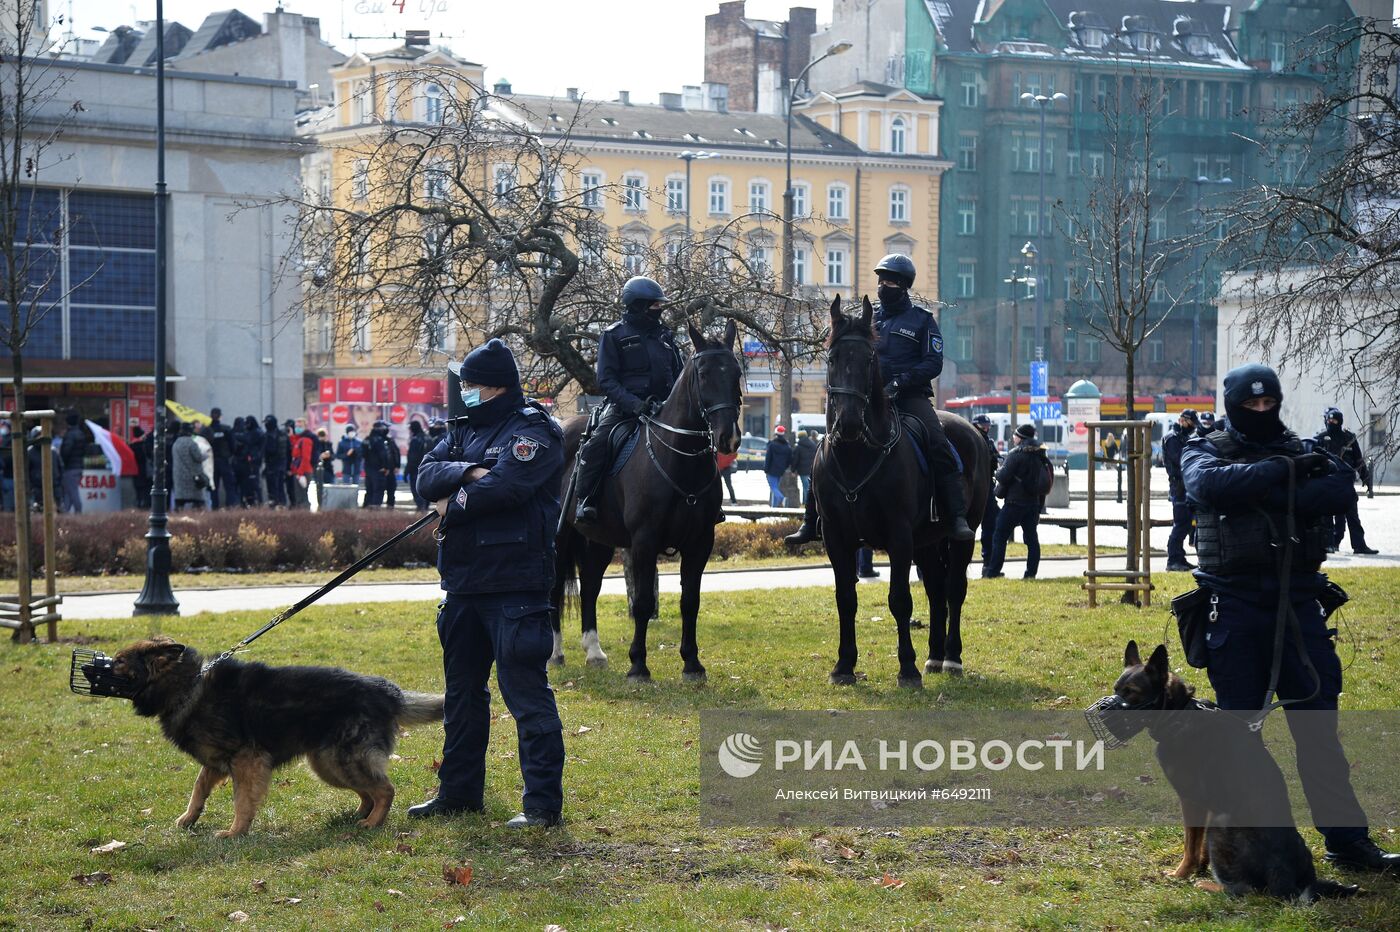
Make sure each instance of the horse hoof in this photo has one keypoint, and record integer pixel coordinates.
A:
(911, 682)
(843, 679)
(916, 623)
(639, 678)
(694, 676)
(952, 668)
(599, 662)
(933, 666)
(557, 661)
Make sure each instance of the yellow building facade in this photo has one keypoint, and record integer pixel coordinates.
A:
(865, 172)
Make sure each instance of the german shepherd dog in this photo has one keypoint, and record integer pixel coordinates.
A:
(244, 720)
(1234, 802)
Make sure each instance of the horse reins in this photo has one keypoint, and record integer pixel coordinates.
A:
(690, 498)
(867, 436)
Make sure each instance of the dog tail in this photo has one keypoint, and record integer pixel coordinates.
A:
(1328, 889)
(420, 708)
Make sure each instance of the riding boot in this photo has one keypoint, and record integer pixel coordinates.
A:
(954, 507)
(591, 463)
(810, 529)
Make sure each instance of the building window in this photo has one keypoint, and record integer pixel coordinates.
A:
(1232, 103)
(1071, 348)
(1032, 86)
(1159, 295)
(897, 134)
(633, 193)
(504, 185)
(359, 181)
(675, 195)
(1144, 41)
(1095, 164)
(967, 340)
(719, 196)
(836, 202)
(439, 336)
(967, 278)
(899, 204)
(799, 265)
(1278, 50)
(592, 195)
(1072, 163)
(969, 90)
(1092, 349)
(967, 216)
(434, 107)
(967, 152)
(836, 266)
(1159, 227)
(1027, 343)
(435, 184)
(1025, 152)
(360, 335)
(759, 260)
(1288, 164)
(633, 257)
(801, 201)
(324, 184)
(758, 196)
(1222, 168)
(364, 104)
(1093, 38)
(1156, 350)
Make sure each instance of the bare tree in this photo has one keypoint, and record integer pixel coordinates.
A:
(1320, 281)
(471, 220)
(33, 115)
(1131, 285)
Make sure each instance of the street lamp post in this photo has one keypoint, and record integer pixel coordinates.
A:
(687, 156)
(1042, 102)
(156, 597)
(1013, 281)
(1200, 287)
(784, 323)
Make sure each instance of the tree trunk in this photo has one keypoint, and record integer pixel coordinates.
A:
(1134, 488)
(23, 569)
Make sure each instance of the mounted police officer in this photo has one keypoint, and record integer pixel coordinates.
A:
(1238, 481)
(495, 482)
(910, 347)
(638, 363)
(1342, 444)
(989, 517)
(1184, 429)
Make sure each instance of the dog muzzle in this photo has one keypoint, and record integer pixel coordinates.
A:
(1115, 721)
(92, 674)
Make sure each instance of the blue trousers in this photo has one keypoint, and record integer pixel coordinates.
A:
(1026, 516)
(225, 484)
(775, 495)
(513, 631)
(1181, 528)
(1241, 646)
(72, 498)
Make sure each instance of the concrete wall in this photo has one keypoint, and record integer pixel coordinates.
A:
(229, 147)
(876, 30)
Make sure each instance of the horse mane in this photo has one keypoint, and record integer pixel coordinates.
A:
(846, 325)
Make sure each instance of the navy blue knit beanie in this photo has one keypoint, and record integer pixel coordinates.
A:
(492, 366)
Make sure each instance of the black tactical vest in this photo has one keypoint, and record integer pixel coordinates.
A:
(1251, 542)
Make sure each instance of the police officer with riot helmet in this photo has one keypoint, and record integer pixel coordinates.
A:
(495, 482)
(1341, 443)
(1237, 481)
(1205, 423)
(989, 517)
(638, 363)
(910, 347)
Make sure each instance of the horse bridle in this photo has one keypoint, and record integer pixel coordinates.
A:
(706, 414)
(867, 436)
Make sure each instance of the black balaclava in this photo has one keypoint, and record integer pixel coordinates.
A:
(893, 298)
(1333, 422)
(1254, 381)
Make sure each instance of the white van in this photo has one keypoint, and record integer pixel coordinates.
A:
(1053, 434)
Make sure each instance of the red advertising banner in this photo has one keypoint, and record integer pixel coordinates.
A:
(422, 391)
(384, 391)
(328, 390)
(356, 390)
(116, 418)
(141, 401)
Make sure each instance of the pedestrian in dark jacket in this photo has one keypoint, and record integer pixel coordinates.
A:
(776, 461)
(1239, 481)
(350, 452)
(277, 457)
(1342, 444)
(418, 446)
(983, 423)
(34, 457)
(220, 436)
(254, 443)
(7, 469)
(803, 455)
(324, 456)
(1018, 483)
(72, 450)
(1184, 429)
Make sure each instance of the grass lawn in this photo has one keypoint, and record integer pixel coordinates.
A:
(81, 772)
(132, 583)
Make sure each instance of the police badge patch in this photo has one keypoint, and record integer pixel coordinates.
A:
(1257, 388)
(462, 498)
(524, 449)
(935, 343)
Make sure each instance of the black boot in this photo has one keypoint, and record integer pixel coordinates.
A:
(591, 462)
(955, 509)
(810, 528)
(441, 807)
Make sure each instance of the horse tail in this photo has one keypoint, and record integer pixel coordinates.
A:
(566, 560)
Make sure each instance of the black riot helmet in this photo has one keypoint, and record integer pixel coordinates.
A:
(641, 290)
(899, 267)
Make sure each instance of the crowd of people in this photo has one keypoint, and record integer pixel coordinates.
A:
(243, 464)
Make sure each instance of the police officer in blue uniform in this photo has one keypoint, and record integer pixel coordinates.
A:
(910, 347)
(1185, 428)
(1341, 443)
(495, 482)
(989, 516)
(1237, 481)
(638, 363)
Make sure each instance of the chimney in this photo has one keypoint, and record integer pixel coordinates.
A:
(572, 92)
(624, 98)
(671, 101)
(501, 87)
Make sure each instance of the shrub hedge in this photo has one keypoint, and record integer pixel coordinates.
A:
(257, 540)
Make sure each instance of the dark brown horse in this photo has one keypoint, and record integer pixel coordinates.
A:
(666, 497)
(871, 490)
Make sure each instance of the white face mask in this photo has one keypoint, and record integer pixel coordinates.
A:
(471, 397)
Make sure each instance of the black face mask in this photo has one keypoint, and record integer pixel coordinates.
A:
(1257, 426)
(890, 296)
(1334, 428)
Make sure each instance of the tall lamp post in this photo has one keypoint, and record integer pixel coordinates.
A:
(785, 323)
(1023, 279)
(1200, 287)
(687, 156)
(1042, 102)
(156, 597)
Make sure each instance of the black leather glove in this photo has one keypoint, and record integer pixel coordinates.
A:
(1313, 465)
(654, 405)
(892, 389)
(637, 408)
